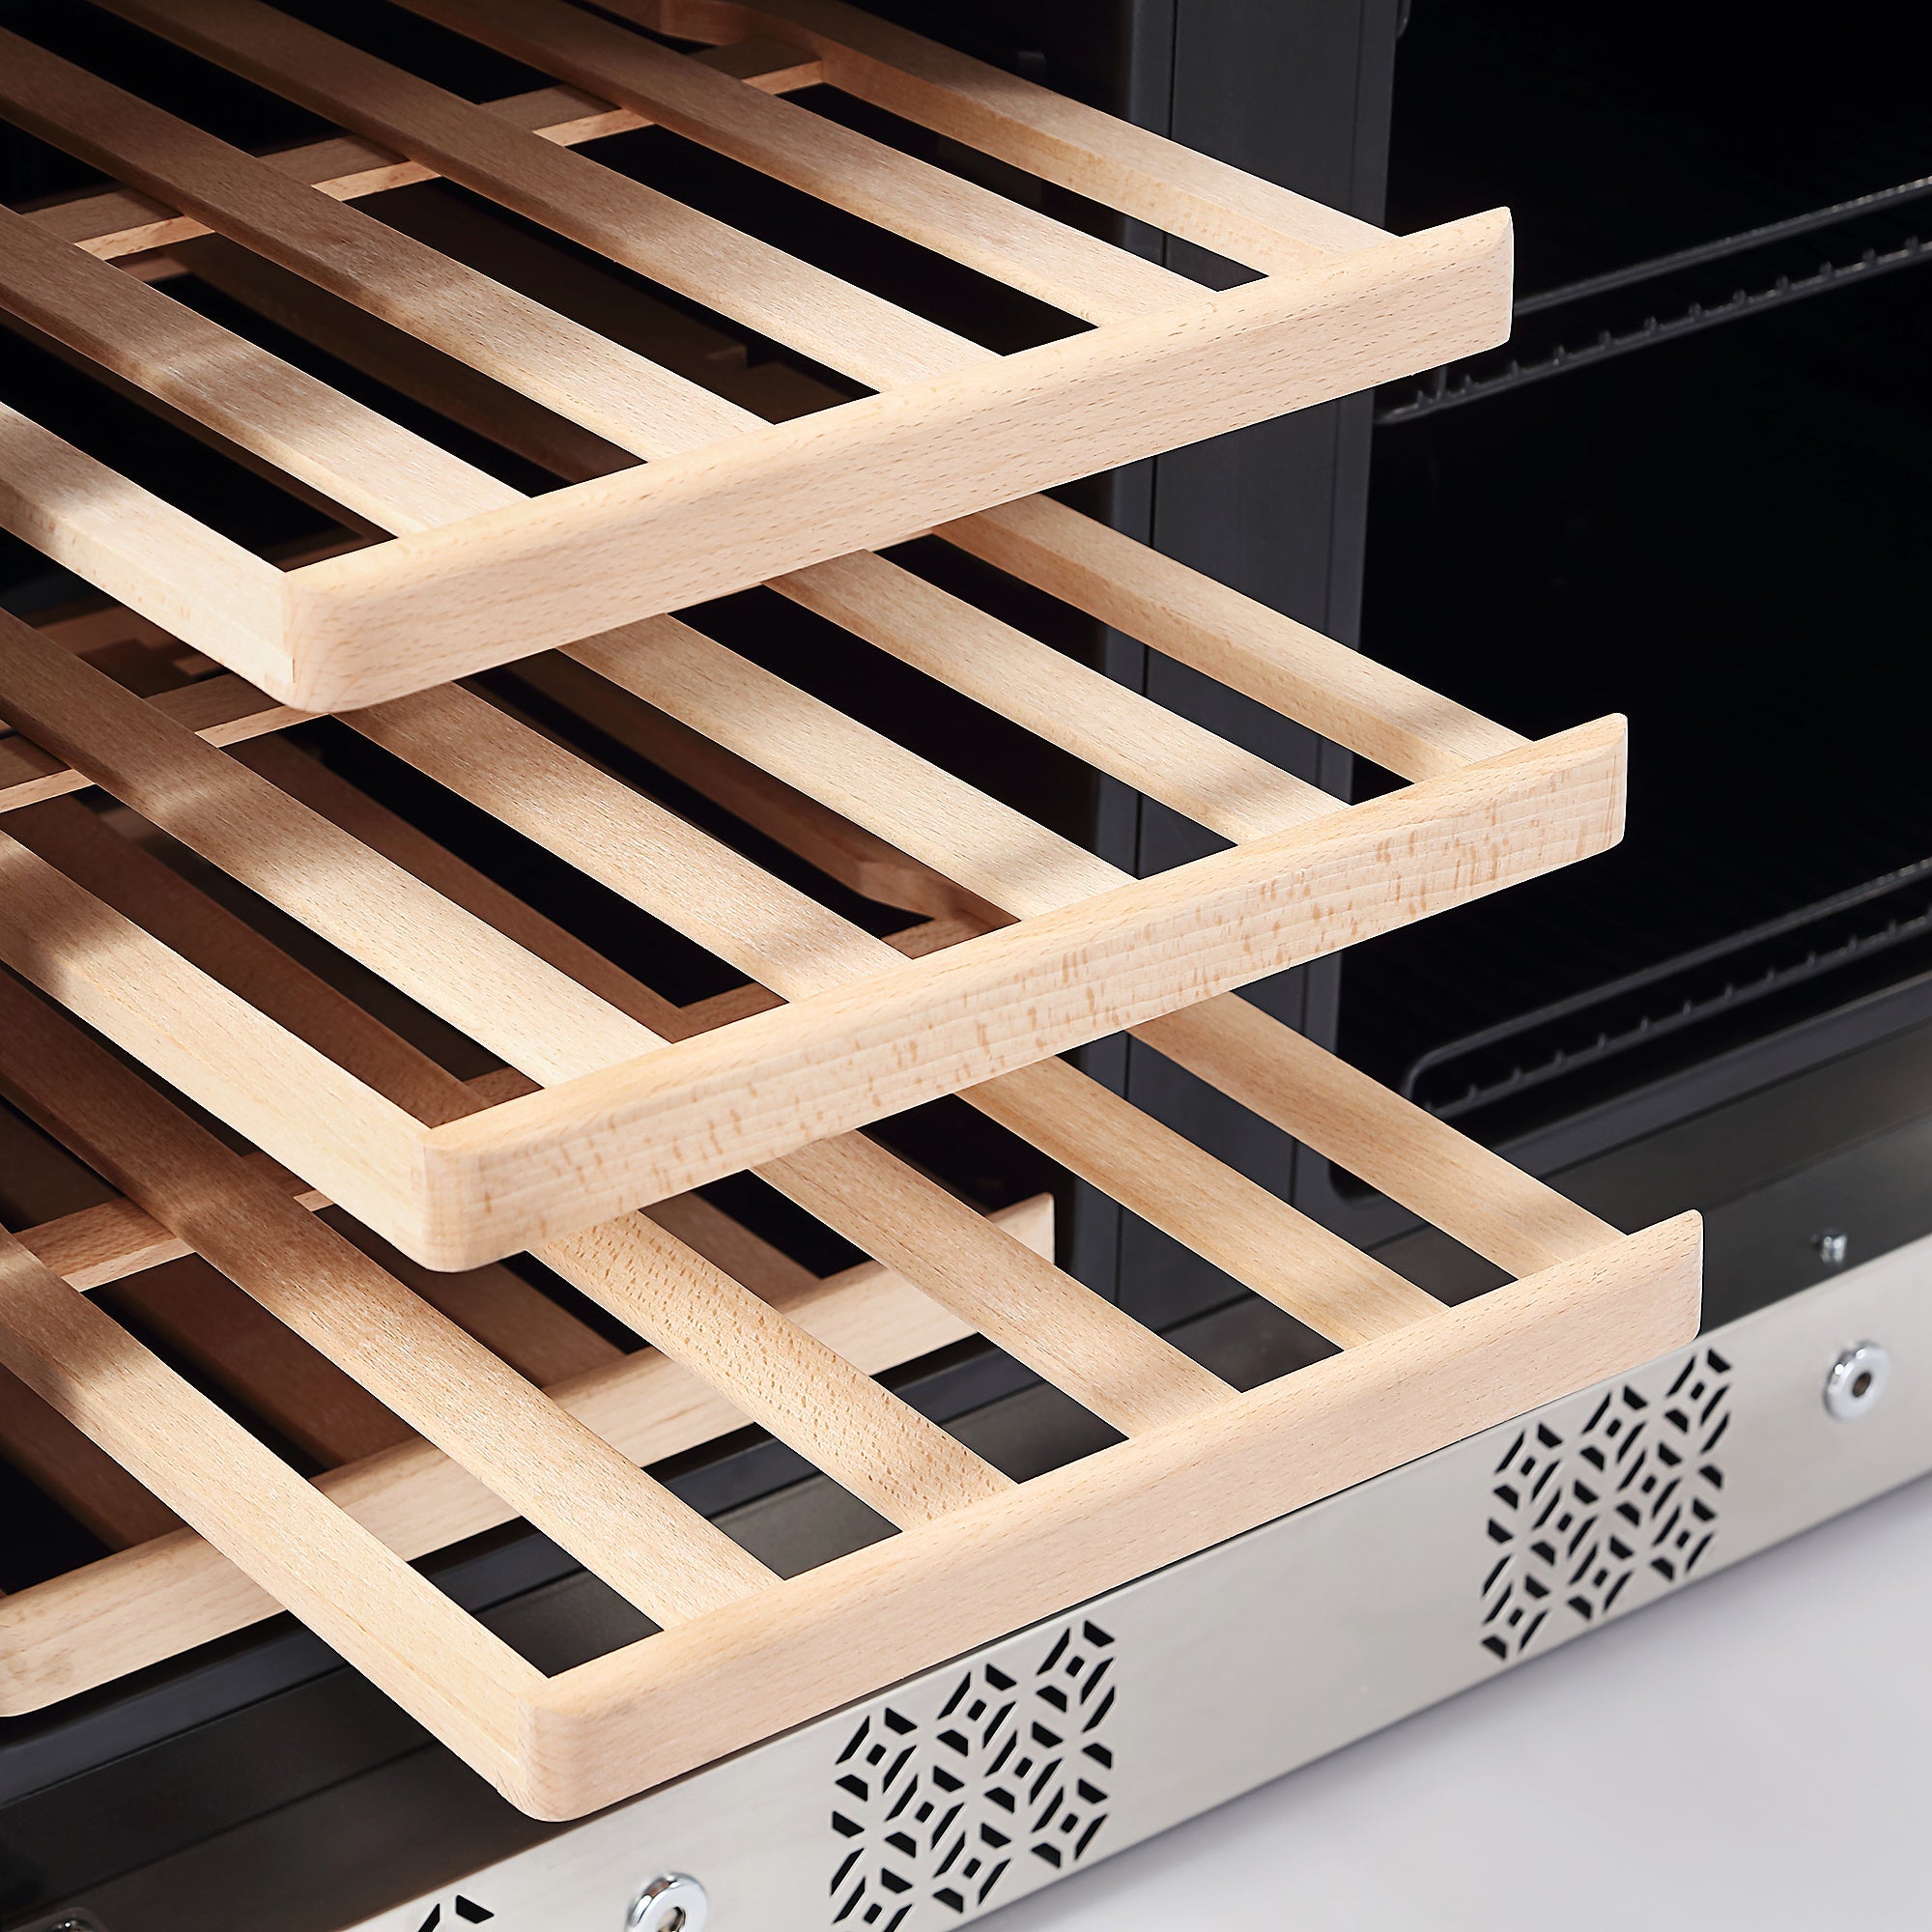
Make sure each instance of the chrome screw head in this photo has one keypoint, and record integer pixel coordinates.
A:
(1856, 1381)
(674, 1902)
(1834, 1247)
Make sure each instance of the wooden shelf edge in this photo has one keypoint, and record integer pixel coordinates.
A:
(581, 1151)
(653, 1710)
(439, 605)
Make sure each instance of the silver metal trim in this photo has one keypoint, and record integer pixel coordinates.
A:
(1280, 1646)
(1856, 1380)
(674, 1902)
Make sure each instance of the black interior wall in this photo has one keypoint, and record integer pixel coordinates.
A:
(1297, 93)
(1714, 532)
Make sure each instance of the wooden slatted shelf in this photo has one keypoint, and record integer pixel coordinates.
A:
(434, 1074)
(706, 495)
(429, 1436)
(418, 1392)
(623, 1116)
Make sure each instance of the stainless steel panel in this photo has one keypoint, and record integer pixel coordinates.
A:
(974, 1783)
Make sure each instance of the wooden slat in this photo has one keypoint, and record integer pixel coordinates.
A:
(858, 1433)
(455, 964)
(566, 367)
(568, 1481)
(201, 1038)
(529, 1331)
(1049, 1320)
(226, 382)
(842, 850)
(1110, 727)
(146, 890)
(206, 1321)
(1223, 788)
(478, 403)
(879, 1447)
(1027, 869)
(159, 560)
(1086, 1347)
(542, 1342)
(223, 710)
(1230, 637)
(908, 1471)
(992, 850)
(443, 604)
(1229, 1220)
(1504, 1214)
(429, 1654)
(698, 256)
(116, 223)
(1077, 147)
(1013, 245)
(388, 833)
(1011, 997)
(85, 1481)
(793, 945)
(116, 1238)
(614, 835)
(644, 1712)
(96, 1624)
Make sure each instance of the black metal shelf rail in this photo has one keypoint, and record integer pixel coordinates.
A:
(1443, 388)
(1570, 1035)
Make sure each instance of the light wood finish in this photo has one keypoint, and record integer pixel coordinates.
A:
(1232, 639)
(1014, 996)
(763, 1362)
(156, 559)
(1225, 787)
(431, 1656)
(568, 368)
(730, 498)
(1504, 1214)
(1204, 1205)
(1029, 127)
(844, 851)
(974, 1556)
(550, 1468)
(806, 1394)
(441, 604)
(359, 1169)
(609, 1098)
(219, 378)
(115, 224)
(673, 1700)
(223, 710)
(1110, 727)
(786, 940)
(809, 152)
(205, 1320)
(1038, 1314)
(93, 1625)
(454, 963)
(1098, 1522)
(756, 284)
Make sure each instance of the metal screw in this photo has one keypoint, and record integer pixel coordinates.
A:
(1856, 1380)
(1833, 1246)
(674, 1902)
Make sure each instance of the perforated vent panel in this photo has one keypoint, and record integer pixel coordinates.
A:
(939, 1793)
(1621, 1506)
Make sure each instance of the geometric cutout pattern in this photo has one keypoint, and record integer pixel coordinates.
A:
(461, 1912)
(1632, 1493)
(933, 1807)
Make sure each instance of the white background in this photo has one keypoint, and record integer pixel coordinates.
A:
(1753, 1753)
